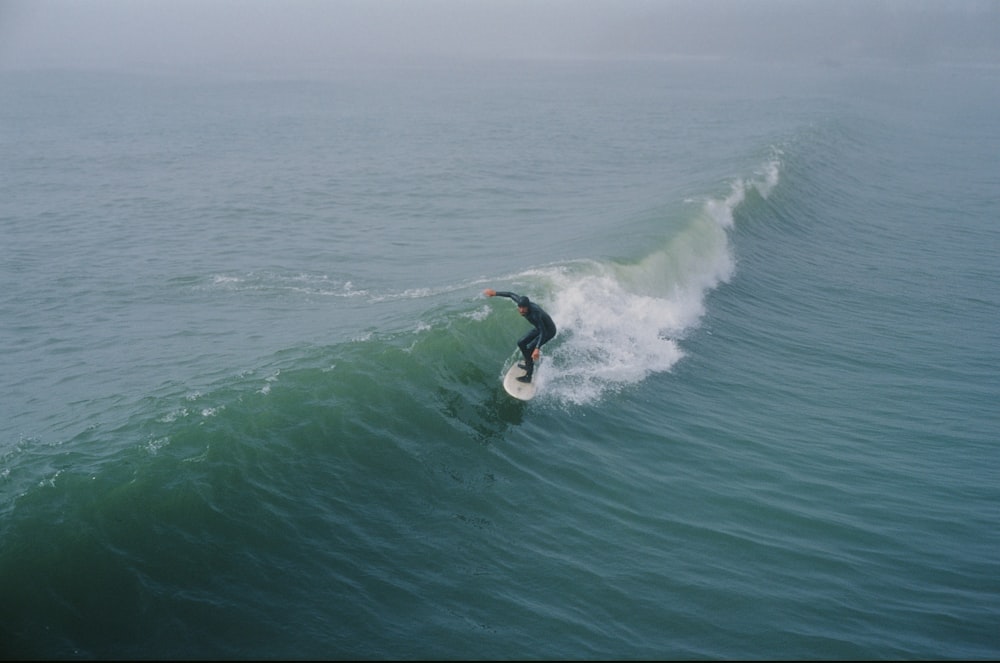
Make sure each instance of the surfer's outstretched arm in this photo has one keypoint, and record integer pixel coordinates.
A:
(490, 292)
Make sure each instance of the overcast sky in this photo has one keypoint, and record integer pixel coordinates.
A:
(280, 35)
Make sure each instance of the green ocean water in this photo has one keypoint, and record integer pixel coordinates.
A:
(252, 401)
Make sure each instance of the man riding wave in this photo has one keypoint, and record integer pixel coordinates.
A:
(543, 329)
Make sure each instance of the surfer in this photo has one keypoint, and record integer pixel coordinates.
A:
(543, 331)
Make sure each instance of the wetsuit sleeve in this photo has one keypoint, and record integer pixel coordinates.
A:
(511, 295)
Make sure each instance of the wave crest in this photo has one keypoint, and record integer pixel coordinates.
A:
(622, 321)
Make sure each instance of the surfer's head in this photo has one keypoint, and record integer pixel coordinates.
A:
(522, 305)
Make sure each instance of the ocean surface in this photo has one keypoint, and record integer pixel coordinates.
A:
(251, 401)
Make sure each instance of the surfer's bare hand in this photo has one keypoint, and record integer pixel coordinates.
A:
(536, 354)
(489, 292)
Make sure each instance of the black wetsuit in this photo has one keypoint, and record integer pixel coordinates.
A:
(543, 329)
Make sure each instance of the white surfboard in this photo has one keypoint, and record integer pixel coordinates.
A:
(524, 391)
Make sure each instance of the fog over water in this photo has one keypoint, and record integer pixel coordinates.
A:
(267, 36)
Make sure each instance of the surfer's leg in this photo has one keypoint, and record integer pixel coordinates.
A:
(529, 363)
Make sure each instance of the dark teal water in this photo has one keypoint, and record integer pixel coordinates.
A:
(252, 401)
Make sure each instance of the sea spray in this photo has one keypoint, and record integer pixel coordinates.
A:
(622, 321)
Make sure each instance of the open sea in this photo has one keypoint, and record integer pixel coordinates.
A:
(251, 401)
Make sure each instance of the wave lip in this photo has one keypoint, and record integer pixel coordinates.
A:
(622, 321)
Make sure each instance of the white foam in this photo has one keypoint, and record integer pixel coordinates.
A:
(479, 314)
(268, 381)
(154, 445)
(610, 337)
(620, 323)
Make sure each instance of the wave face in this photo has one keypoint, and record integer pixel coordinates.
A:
(256, 411)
